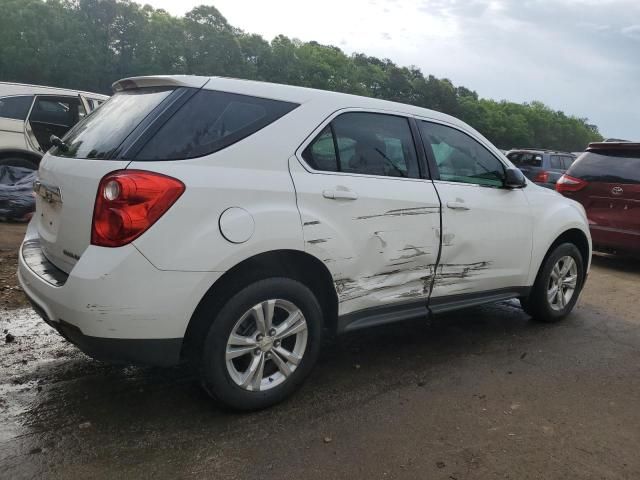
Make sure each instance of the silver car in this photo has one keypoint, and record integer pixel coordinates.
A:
(31, 114)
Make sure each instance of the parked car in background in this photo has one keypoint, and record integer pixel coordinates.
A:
(543, 167)
(606, 181)
(30, 114)
(232, 222)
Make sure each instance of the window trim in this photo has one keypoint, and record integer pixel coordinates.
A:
(432, 160)
(420, 157)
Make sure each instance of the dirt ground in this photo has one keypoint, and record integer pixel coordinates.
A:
(480, 394)
(11, 296)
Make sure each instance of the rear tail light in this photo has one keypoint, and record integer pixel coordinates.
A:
(567, 183)
(128, 203)
(542, 177)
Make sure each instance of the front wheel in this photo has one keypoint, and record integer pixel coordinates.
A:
(557, 286)
(262, 344)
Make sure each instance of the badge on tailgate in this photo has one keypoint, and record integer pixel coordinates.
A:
(49, 193)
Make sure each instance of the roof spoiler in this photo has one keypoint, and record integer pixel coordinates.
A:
(615, 148)
(159, 81)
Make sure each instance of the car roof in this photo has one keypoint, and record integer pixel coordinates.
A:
(288, 93)
(540, 150)
(8, 88)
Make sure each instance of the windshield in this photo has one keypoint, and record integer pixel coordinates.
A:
(102, 132)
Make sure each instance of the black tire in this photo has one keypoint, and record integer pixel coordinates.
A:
(19, 162)
(537, 304)
(214, 374)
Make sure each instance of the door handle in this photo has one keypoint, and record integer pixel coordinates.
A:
(340, 194)
(457, 206)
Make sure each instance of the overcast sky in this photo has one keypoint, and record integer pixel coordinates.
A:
(579, 56)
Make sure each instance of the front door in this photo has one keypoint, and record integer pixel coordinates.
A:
(367, 213)
(486, 229)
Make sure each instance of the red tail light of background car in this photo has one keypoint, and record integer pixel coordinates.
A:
(542, 177)
(128, 203)
(567, 183)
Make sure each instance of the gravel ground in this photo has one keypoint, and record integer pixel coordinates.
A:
(480, 394)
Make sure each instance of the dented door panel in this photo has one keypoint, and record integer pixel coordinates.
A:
(380, 247)
(487, 244)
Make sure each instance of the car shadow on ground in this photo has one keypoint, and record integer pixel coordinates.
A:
(65, 390)
(624, 263)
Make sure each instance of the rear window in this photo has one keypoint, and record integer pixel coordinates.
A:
(525, 159)
(618, 167)
(211, 121)
(15, 108)
(102, 132)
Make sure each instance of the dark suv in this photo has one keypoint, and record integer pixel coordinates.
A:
(606, 180)
(543, 167)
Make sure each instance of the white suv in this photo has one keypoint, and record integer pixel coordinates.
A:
(231, 222)
(30, 114)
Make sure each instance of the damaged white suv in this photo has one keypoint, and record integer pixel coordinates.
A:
(232, 222)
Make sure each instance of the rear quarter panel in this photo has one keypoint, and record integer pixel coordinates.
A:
(252, 174)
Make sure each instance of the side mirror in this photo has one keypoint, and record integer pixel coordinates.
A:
(514, 178)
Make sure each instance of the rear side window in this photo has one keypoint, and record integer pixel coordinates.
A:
(15, 107)
(62, 111)
(556, 162)
(102, 132)
(567, 161)
(365, 143)
(211, 121)
(618, 168)
(525, 159)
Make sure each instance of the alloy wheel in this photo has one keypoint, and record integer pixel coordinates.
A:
(562, 283)
(266, 345)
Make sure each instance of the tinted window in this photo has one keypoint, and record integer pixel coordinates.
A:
(556, 162)
(15, 107)
(63, 111)
(367, 143)
(525, 159)
(102, 132)
(460, 158)
(211, 121)
(594, 167)
(567, 161)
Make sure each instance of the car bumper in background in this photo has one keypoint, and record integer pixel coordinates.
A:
(615, 239)
(114, 305)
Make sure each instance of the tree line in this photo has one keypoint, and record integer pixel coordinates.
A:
(88, 44)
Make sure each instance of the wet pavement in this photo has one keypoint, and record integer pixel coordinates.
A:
(484, 393)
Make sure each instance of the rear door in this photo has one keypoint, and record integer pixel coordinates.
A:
(54, 115)
(367, 211)
(486, 229)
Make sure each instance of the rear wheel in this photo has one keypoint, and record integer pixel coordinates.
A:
(557, 286)
(262, 344)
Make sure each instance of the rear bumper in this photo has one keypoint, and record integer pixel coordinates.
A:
(614, 239)
(115, 306)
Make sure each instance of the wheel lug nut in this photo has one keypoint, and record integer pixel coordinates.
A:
(272, 332)
(268, 356)
(259, 337)
(257, 351)
(276, 343)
